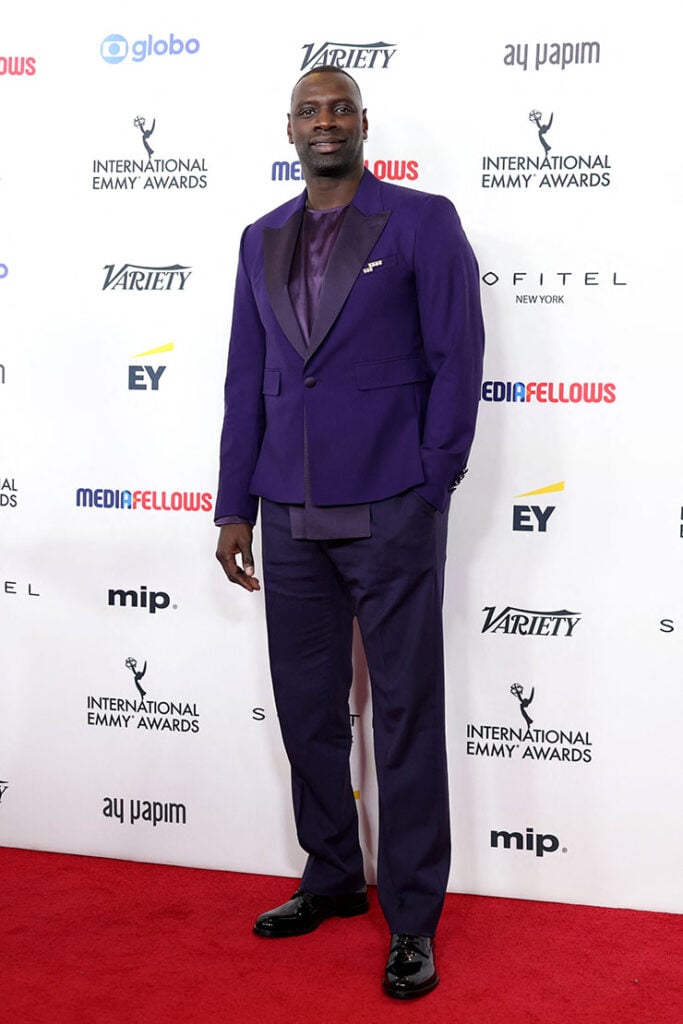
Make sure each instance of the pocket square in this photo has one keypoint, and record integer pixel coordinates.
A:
(371, 266)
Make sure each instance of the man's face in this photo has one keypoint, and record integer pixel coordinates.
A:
(327, 125)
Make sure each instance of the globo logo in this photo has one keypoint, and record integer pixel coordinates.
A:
(115, 48)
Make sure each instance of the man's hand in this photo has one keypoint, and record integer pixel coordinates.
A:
(235, 539)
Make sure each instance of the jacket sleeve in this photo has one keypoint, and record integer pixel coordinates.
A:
(447, 280)
(244, 419)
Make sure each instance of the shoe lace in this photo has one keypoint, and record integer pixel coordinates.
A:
(406, 944)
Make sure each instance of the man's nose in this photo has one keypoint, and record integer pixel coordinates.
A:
(325, 118)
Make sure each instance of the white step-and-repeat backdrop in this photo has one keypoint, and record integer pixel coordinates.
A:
(136, 142)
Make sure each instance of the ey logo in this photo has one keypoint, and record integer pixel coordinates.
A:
(533, 518)
(143, 378)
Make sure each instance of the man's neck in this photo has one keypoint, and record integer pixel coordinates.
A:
(326, 193)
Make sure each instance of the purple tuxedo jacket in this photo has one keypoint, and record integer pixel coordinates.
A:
(388, 386)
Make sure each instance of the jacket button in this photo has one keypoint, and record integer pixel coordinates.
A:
(310, 382)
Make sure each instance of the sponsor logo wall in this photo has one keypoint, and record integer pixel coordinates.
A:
(122, 642)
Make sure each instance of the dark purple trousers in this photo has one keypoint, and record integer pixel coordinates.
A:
(393, 583)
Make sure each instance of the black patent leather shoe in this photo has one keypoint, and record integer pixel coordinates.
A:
(306, 910)
(410, 970)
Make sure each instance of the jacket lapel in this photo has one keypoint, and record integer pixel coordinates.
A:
(357, 237)
(278, 250)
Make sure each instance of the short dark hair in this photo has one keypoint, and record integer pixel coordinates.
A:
(321, 69)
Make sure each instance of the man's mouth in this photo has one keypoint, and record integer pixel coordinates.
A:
(327, 145)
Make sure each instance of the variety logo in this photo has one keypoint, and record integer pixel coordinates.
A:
(156, 501)
(152, 600)
(538, 843)
(4, 785)
(17, 66)
(8, 492)
(390, 170)
(140, 376)
(144, 713)
(525, 622)
(2, 373)
(155, 812)
(134, 277)
(115, 48)
(557, 55)
(566, 171)
(553, 392)
(347, 55)
(526, 742)
(530, 518)
(157, 174)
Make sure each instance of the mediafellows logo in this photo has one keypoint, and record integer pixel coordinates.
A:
(525, 622)
(385, 170)
(155, 173)
(556, 171)
(347, 55)
(114, 49)
(149, 501)
(548, 391)
(135, 277)
(17, 66)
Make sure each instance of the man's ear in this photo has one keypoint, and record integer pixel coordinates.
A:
(289, 128)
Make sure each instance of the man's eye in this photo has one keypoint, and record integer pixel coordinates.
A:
(307, 112)
(343, 109)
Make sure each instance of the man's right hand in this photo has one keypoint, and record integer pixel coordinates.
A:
(235, 539)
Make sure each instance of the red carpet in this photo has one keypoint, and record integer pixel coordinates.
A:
(92, 941)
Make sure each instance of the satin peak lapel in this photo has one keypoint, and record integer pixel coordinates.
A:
(278, 250)
(357, 237)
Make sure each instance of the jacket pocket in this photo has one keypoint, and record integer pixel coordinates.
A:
(271, 382)
(388, 373)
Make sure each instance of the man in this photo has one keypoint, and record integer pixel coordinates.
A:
(351, 396)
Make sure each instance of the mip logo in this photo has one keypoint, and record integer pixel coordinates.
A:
(114, 49)
(4, 270)
(538, 843)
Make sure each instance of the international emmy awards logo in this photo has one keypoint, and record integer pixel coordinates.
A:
(535, 116)
(132, 664)
(139, 122)
(517, 691)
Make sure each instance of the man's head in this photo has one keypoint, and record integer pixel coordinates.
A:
(327, 123)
